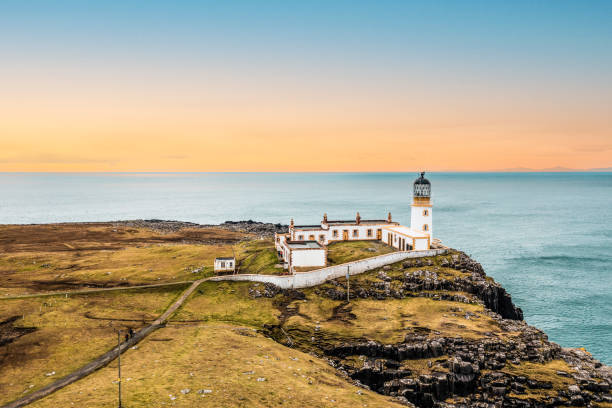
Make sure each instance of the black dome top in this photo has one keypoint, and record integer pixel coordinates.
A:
(422, 186)
(422, 179)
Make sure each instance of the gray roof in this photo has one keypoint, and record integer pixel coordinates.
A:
(226, 258)
(342, 222)
(304, 245)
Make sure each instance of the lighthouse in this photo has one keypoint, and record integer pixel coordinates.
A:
(421, 213)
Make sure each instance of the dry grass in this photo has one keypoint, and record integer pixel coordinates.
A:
(101, 236)
(425, 365)
(546, 372)
(65, 338)
(258, 257)
(341, 252)
(397, 270)
(305, 268)
(53, 257)
(224, 359)
(228, 302)
(203, 347)
(32, 272)
(444, 273)
(390, 320)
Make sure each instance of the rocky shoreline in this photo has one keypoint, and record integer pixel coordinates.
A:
(262, 229)
(460, 372)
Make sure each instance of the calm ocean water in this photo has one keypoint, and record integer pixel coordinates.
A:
(547, 237)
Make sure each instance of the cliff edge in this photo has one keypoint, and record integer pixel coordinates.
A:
(436, 332)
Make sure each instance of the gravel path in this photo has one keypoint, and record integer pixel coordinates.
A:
(88, 291)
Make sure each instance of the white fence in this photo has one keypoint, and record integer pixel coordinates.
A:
(317, 277)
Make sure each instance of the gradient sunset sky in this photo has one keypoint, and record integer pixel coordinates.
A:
(304, 86)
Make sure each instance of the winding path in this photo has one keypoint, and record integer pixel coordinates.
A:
(109, 356)
(95, 290)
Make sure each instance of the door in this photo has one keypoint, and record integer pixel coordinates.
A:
(389, 242)
(345, 235)
(379, 234)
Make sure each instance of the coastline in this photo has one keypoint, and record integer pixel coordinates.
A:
(467, 360)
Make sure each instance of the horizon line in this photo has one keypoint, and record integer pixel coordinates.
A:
(599, 170)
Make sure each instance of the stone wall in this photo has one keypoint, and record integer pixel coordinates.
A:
(317, 277)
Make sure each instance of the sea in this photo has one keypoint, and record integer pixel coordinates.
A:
(546, 237)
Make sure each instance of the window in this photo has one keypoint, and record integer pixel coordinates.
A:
(277, 239)
(425, 227)
(355, 233)
(322, 238)
(223, 264)
(369, 233)
(300, 237)
(335, 233)
(425, 213)
(229, 265)
(311, 237)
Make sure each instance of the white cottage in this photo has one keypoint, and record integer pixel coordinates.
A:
(225, 264)
(305, 246)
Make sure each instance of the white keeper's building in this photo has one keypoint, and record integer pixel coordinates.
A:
(305, 246)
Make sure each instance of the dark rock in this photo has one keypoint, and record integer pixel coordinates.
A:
(577, 401)
(164, 226)
(498, 390)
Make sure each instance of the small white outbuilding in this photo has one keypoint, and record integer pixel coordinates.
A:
(225, 264)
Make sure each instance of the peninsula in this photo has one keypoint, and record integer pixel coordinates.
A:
(425, 331)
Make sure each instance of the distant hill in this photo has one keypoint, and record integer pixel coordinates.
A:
(551, 169)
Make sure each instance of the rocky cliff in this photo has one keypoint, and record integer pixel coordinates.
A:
(476, 351)
(427, 282)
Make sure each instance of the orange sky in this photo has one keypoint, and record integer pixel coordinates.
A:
(119, 129)
(311, 95)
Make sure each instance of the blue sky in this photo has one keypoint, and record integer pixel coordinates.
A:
(548, 57)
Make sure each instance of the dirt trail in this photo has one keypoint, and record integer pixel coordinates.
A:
(88, 291)
(107, 357)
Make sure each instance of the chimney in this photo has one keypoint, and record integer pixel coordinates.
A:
(389, 219)
(325, 218)
(358, 218)
(291, 224)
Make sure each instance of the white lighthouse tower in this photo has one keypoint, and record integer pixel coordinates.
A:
(421, 214)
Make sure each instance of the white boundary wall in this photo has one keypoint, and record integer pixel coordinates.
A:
(317, 277)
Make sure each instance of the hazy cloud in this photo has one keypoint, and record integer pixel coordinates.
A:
(592, 148)
(53, 159)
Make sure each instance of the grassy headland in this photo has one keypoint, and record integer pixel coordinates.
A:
(252, 344)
